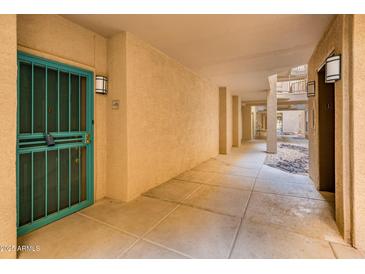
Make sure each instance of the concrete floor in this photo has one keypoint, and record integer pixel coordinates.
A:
(231, 206)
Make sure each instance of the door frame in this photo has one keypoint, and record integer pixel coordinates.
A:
(321, 158)
(89, 75)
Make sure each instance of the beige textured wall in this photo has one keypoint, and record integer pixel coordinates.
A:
(236, 121)
(271, 110)
(172, 117)
(337, 39)
(116, 134)
(293, 121)
(246, 123)
(53, 37)
(358, 134)
(225, 120)
(8, 103)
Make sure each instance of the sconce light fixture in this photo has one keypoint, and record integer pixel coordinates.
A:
(101, 84)
(311, 89)
(333, 68)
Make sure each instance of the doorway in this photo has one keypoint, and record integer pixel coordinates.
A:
(326, 130)
(54, 141)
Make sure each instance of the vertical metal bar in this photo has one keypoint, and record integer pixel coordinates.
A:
(58, 101)
(58, 179)
(79, 163)
(69, 101)
(32, 122)
(17, 190)
(79, 103)
(18, 101)
(79, 149)
(17, 153)
(46, 183)
(46, 101)
(46, 153)
(69, 177)
(32, 186)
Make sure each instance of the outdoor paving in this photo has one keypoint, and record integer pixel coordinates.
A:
(231, 206)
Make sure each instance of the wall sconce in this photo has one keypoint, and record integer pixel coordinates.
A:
(311, 89)
(333, 68)
(101, 84)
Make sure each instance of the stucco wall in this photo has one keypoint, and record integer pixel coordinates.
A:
(337, 39)
(172, 117)
(225, 120)
(293, 121)
(236, 121)
(246, 123)
(169, 107)
(358, 133)
(8, 103)
(53, 37)
(116, 134)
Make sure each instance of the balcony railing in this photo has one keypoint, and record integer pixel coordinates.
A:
(292, 87)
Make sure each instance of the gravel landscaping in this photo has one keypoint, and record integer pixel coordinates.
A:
(292, 158)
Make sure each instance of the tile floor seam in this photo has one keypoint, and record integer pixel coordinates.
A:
(333, 250)
(241, 221)
(172, 201)
(123, 253)
(229, 164)
(167, 248)
(265, 180)
(292, 196)
(283, 228)
(288, 195)
(161, 199)
(216, 172)
(211, 211)
(198, 207)
(142, 237)
(224, 172)
(218, 185)
(107, 224)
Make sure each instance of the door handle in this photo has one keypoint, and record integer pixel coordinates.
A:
(87, 138)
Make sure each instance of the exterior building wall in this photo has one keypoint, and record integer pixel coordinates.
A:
(271, 112)
(172, 117)
(225, 120)
(236, 121)
(246, 123)
(56, 38)
(116, 123)
(253, 122)
(358, 133)
(8, 103)
(337, 39)
(293, 121)
(169, 107)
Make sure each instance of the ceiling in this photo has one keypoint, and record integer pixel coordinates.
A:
(237, 51)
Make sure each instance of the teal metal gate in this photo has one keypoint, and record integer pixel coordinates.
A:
(54, 174)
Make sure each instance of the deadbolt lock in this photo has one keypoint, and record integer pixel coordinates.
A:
(87, 139)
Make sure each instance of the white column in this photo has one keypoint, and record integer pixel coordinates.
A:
(271, 108)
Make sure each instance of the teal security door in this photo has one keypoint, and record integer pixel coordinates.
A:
(54, 141)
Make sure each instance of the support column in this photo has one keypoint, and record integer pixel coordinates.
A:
(271, 108)
(8, 103)
(246, 123)
(357, 129)
(225, 121)
(236, 121)
(116, 124)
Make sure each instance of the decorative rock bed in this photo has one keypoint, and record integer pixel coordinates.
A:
(292, 158)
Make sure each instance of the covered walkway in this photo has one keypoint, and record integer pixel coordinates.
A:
(231, 206)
